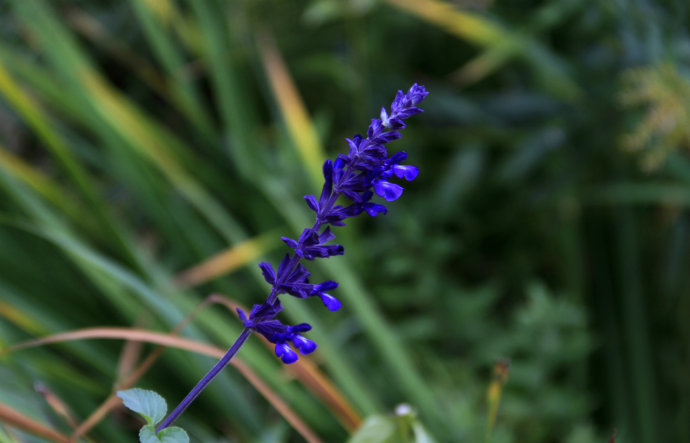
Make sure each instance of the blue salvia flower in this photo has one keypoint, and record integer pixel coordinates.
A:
(366, 170)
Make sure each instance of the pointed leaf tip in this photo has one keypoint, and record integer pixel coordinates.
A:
(148, 404)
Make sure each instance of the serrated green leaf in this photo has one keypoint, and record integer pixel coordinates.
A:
(148, 404)
(172, 434)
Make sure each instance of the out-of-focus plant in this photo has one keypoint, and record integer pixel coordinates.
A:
(663, 92)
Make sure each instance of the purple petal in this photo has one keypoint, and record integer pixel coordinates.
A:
(325, 286)
(397, 158)
(290, 242)
(374, 128)
(242, 315)
(387, 190)
(384, 117)
(267, 271)
(282, 268)
(399, 96)
(409, 172)
(312, 203)
(302, 327)
(332, 303)
(353, 143)
(374, 209)
(386, 137)
(326, 235)
(304, 345)
(285, 353)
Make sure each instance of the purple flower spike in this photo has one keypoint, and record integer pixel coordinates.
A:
(365, 170)
(373, 209)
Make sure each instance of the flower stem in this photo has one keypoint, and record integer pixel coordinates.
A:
(194, 393)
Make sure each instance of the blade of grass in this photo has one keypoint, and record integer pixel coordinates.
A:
(118, 115)
(21, 319)
(501, 44)
(466, 25)
(15, 419)
(493, 396)
(635, 329)
(167, 53)
(292, 109)
(398, 360)
(93, 30)
(6, 436)
(236, 109)
(224, 262)
(648, 193)
(57, 405)
(36, 118)
(548, 16)
(43, 185)
(60, 98)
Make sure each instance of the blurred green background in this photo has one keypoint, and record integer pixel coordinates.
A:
(152, 152)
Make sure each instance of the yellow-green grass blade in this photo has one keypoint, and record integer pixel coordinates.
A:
(59, 98)
(229, 86)
(292, 109)
(92, 29)
(500, 44)
(37, 119)
(21, 319)
(43, 185)
(119, 116)
(466, 25)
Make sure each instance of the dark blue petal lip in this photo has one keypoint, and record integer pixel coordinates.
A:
(304, 345)
(387, 190)
(286, 354)
(331, 303)
(408, 172)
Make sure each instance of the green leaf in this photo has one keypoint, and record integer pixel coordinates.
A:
(375, 429)
(421, 435)
(404, 426)
(172, 434)
(148, 404)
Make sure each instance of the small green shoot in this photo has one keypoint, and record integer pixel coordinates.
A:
(403, 426)
(153, 408)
